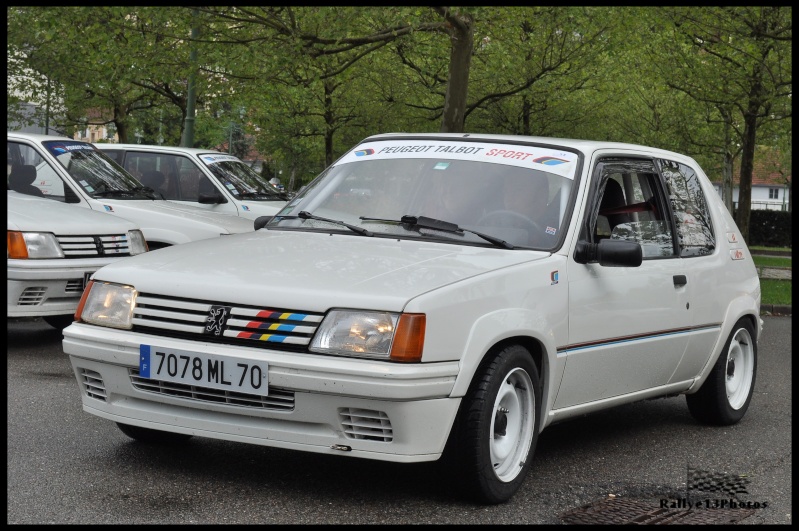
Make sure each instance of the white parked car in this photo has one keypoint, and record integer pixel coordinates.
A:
(435, 294)
(77, 173)
(53, 249)
(200, 177)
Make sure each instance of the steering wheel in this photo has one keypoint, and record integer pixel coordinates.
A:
(509, 218)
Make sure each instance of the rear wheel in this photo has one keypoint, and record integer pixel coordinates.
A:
(150, 436)
(495, 435)
(724, 397)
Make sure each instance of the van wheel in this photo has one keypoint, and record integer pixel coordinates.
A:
(150, 436)
(58, 321)
(495, 435)
(724, 397)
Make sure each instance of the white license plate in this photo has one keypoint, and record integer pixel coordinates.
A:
(203, 370)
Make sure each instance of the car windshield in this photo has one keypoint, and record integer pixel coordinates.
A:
(95, 172)
(476, 193)
(241, 180)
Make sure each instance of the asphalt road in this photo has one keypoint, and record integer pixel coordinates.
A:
(68, 467)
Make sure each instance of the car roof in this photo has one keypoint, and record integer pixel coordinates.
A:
(163, 149)
(579, 144)
(39, 137)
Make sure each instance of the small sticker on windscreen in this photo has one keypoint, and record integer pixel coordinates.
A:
(441, 166)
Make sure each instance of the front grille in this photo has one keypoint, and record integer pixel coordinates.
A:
(245, 325)
(74, 286)
(93, 384)
(93, 246)
(366, 424)
(278, 399)
(32, 296)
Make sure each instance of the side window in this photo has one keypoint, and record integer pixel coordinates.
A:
(694, 230)
(156, 170)
(631, 206)
(31, 174)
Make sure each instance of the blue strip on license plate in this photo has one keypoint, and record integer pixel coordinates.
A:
(204, 370)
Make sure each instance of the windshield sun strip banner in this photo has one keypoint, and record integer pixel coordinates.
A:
(213, 158)
(559, 162)
(60, 147)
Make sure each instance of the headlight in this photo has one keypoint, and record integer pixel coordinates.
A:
(378, 335)
(23, 245)
(138, 244)
(107, 304)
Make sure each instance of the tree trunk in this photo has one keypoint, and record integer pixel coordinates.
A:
(747, 165)
(461, 36)
(329, 125)
(120, 122)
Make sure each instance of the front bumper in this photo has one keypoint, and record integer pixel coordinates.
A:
(405, 409)
(47, 287)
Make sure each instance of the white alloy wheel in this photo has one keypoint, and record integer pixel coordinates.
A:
(512, 424)
(739, 368)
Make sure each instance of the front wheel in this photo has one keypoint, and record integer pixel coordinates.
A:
(150, 436)
(495, 435)
(724, 397)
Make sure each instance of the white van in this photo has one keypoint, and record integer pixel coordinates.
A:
(215, 181)
(53, 249)
(76, 172)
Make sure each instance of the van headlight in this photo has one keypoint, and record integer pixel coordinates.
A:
(22, 245)
(367, 334)
(107, 304)
(138, 244)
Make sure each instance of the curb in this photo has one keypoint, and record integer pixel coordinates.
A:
(775, 309)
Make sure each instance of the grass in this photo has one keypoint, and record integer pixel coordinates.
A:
(772, 261)
(762, 248)
(773, 291)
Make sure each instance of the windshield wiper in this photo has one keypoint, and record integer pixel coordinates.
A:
(143, 190)
(354, 228)
(254, 195)
(445, 226)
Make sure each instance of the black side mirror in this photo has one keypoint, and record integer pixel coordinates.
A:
(212, 199)
(609, 253)
(261, 221)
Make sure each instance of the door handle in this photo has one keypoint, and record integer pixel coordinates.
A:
(680, 280)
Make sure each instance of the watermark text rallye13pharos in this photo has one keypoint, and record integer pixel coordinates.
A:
(435, 295)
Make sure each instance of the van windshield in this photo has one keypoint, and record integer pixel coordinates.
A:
(95, 172)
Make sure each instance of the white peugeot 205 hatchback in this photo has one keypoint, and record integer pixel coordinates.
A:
(53, 249)
(435, 295)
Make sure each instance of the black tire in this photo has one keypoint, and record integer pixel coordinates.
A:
(726, 393)
(150, 436)
(503, 400)
(59, 321)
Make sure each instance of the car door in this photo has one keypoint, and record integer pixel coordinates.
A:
(628, 326)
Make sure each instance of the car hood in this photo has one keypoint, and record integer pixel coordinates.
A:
(308, 271)
(30, 213)
(160, 213)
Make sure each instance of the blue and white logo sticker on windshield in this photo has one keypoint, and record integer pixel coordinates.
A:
(551, 160)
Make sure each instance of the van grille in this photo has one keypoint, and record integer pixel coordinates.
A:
(93, 246)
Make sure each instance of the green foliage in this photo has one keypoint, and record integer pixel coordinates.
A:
(770, 228)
